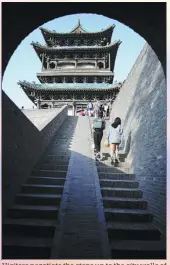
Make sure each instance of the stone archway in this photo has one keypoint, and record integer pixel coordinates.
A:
(153, 32)
(151, 26)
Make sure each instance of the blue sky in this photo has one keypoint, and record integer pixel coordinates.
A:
(24, 63)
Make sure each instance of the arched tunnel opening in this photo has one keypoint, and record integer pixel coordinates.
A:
(129, 195)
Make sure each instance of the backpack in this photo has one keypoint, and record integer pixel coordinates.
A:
(98, 124)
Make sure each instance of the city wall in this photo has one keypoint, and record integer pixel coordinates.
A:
(23, 142)
(141, 104)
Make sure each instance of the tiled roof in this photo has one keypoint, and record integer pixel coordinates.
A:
(67, 86)
(73, 48)
(73, 32)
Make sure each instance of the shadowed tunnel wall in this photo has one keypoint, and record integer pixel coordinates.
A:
(141, 104)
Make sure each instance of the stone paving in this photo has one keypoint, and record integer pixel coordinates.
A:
(82, 232)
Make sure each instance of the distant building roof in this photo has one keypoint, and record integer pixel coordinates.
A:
(78, 30)
(37, 45)
(68, 86)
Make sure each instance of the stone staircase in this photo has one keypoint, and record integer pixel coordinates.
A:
(130, 227)
(30, 225)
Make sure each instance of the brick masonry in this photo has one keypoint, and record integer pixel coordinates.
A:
(22, 144)
(141, 104)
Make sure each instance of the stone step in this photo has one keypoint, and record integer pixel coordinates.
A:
(107, 164)
(26, 248)
(133, 249)
(55, 151)
(119, 183)
(57, 158)
(55, 162)
(106, 152)
(106, 160)
(132, 231)
(49, 173)
(62, 140)
(38, 199)
(47, 189)
(113, 170)
(30, 211)
(46, 180)
(61, 143)
(29, 227)
(124, 203)
(60, 148)
(128, 215)
(51, 162)
(53, 167)
(59, 151)
(114, 176)
(121, 192)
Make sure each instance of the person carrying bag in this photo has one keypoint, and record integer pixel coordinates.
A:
(114, 138)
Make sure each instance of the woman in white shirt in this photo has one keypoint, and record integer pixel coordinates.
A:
(114, 137)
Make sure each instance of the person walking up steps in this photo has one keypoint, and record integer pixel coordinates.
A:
(105, 110)
(96, 108)
(90, 108)
(98, 126)
(101, 110)
(114, 138)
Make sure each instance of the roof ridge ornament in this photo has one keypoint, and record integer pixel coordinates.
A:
(78, 28)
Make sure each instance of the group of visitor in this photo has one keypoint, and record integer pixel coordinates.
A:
(113, 137)
(101, 112)
(93, 110)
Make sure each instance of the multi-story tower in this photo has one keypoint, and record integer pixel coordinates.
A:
(76, 67)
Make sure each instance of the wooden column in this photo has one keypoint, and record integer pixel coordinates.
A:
(42, 62)
(104, 64)
(48, 63)
(109, 61)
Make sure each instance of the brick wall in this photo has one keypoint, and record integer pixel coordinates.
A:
(22, 146)
(141, 104)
